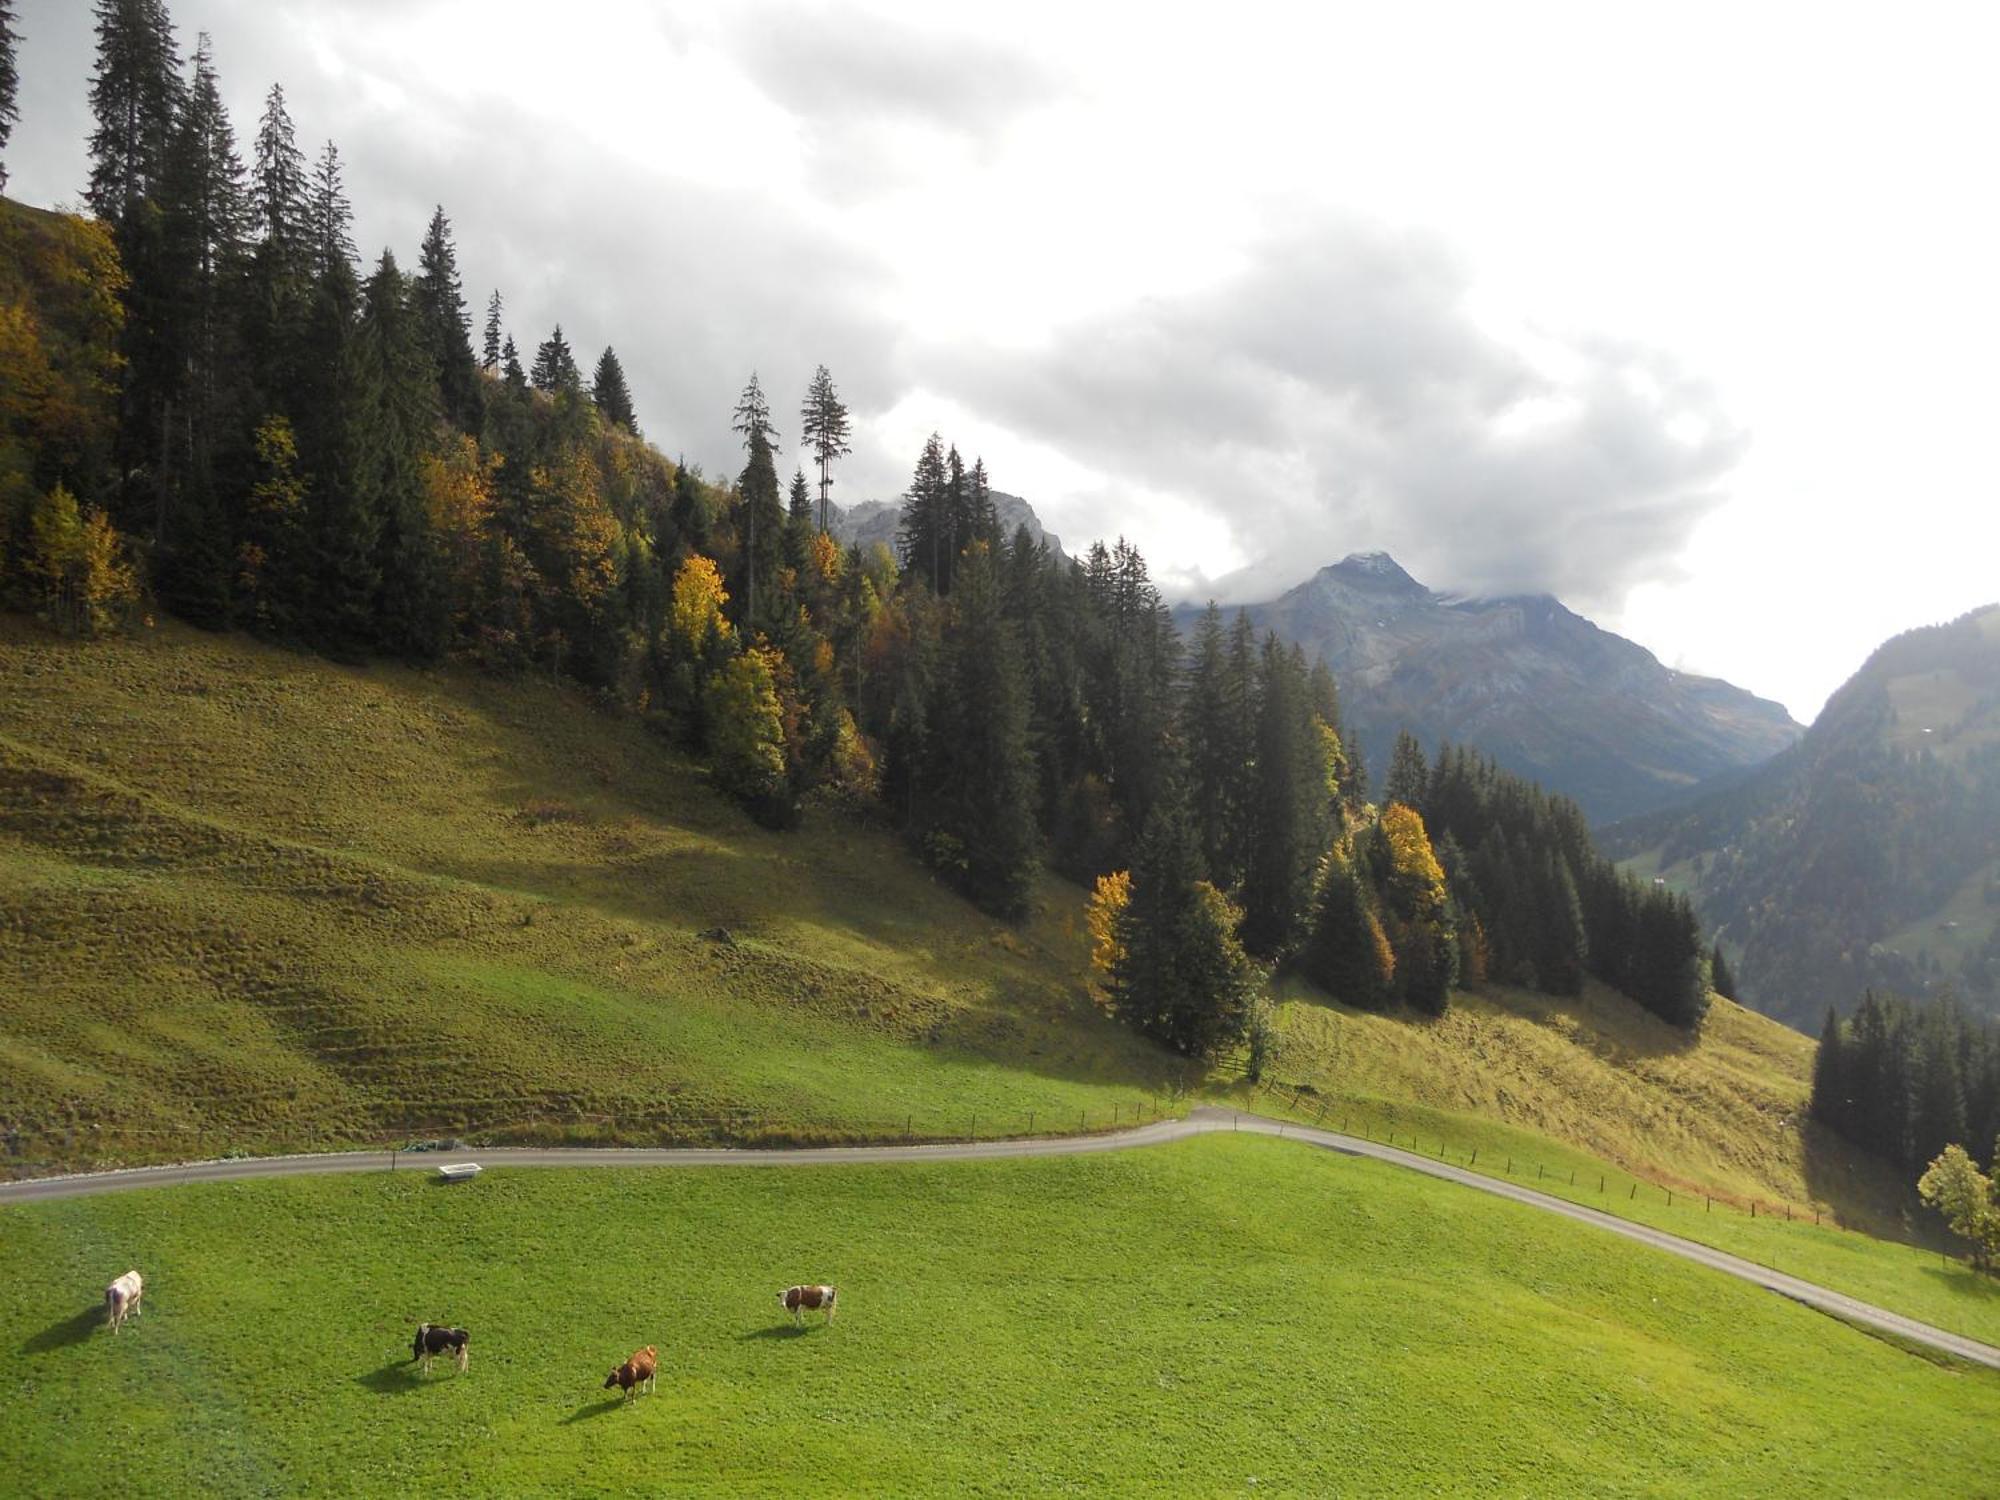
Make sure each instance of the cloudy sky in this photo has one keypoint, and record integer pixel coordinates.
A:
(1687, 314)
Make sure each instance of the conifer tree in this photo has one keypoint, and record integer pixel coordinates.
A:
(1829, 1077)
(612, 396)
(1348, 954)
(397, 414)
(490, 353)
(1409, 773)
(555, 367)
(763, 513)
(799, 528)
(281, 262)
(983, 814)
(922, 532)
(1213, 722)
(10, 79)
(1720, 979)
(442, 327)
(510, 365)
(1289, 821)
(134, 92)
(985, 520)
(331, 219)
(824, 429)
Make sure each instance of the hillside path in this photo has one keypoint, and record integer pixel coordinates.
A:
(1202, 1120)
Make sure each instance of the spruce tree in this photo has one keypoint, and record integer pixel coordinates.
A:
(985, 520)
(824, 429)
(609, 391)
(921, 538)
(1409, 774)
(510, 365)
(983, 828)
(10, 79)
(341, 528)
(331, 220)
(397, 415)
(555, 367)
(1719, 977)
(1212, 730)
(442, 327)
(799, 528)
(490, 353)
(281, 262)
(763, 513)
(1290, 828)
(1828, 1103)
(134, 94)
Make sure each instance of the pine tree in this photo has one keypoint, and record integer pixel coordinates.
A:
(763, 512)
(1290, 826)
(511, 372)
(1409, 774)
(281, 263)
(331, 219)
(985, 520)
(1829, 1103)
(1348, 954)
(10, 79)
(799, 528)
(490, 353)
(612, 395)
(555, 366)
(203, 222)
(1719, 976)
(134, 93)
(442, 326)
(824, 429)
(396, 418)
(922, 531)
(983, 824)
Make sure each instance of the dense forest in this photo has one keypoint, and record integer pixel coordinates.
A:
(1907, 1078)
(222, 414)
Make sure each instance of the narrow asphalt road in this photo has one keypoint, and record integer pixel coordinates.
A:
(1202, 1120)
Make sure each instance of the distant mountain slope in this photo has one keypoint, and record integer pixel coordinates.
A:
(872, 521)
(1870, 853)
(1536, 686)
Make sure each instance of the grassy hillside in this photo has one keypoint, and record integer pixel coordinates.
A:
(256, 901)
(1227, 1310)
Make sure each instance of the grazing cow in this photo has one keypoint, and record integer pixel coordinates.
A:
(640, 1370)
(800, 1300)
(121, 1299)
(434, 1339)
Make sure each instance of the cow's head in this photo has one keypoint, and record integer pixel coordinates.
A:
(612, 1379)
(417, 1344)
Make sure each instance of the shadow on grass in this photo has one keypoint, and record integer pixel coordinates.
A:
(1962, 1281)
(398, 1377)
(585, 1413)
(71, 1330)
(777, 1331)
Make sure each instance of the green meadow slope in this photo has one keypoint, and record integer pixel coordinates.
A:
(1227, 1314)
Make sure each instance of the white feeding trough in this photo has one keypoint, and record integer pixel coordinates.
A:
(459, 1171)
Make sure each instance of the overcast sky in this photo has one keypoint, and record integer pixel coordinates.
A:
(1686, 314)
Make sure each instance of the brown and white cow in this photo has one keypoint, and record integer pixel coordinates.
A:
(800, 1300)
(121, 1299)
(434, 1339)
(638, 1371)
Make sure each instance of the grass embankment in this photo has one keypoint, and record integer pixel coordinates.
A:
(256, 901)
(1593, 1100)
(1186, 1318)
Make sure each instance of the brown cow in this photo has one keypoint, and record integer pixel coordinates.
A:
(640, 1370)
(800, 1300)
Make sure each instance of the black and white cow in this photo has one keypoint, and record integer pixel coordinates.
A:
(434, 1339)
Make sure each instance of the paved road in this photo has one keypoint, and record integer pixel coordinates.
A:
(1201, 1121)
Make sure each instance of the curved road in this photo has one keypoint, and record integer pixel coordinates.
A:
(1201, 1121)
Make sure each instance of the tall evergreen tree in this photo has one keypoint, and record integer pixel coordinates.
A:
(134, 93)
(281, 261)
(798, 522)
(1829, 1077)
(983, 819)
(1290, 827)
(612, 395)
(922, 531)
(442, 327)
(10, 79)
(1720, 979)
(763, 513)
(490, 353)
(397, 414)
(555, 367)
(1409, 773)
(824, 430)
(331, 219)
(512, 374)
